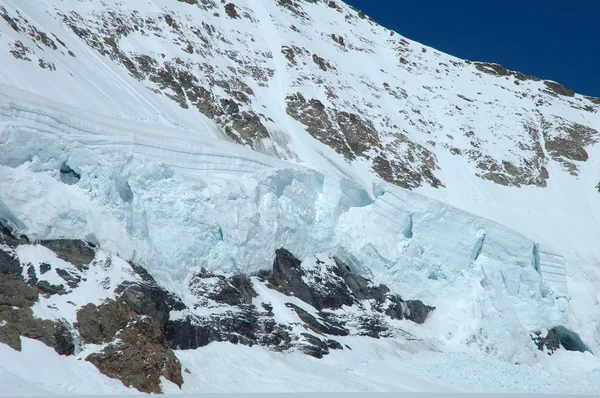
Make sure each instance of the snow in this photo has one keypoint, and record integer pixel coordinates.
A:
(160, 185)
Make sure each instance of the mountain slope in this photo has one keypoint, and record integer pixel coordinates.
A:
(197, 138)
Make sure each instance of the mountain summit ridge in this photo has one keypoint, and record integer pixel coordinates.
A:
(371, 95)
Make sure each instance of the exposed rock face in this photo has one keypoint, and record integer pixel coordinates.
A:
(8, 264)
(134, 326)
(76, 252)
(139, 357)
(16, 318)
(325, 290)
(100, 324)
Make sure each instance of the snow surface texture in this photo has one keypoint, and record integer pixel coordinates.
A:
(175, 197)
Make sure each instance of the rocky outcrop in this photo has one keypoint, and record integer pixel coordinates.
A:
(17, 319)
(241, 317)
(100, 324)
(139, 357)
(77, 252)
(550, 340)
(139, 324)
(9, 265)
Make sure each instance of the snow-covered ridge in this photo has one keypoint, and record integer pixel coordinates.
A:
(316, 82)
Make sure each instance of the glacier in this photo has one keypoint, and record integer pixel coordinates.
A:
(177, 203)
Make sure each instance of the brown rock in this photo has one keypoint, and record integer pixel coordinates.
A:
(139, 358)
(100, 324)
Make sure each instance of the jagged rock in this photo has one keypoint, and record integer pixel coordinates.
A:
(418, 312)
(184, 334)
(361, 287)
(287, 278)
(64, 343)
(373, 326)
(546, 340)
(8, 237)
(146, 298)
(14, 292)
(556, 337)
(48, 288)
(16, 318)
(71, 279)
(45, 268)
(315, 347)
(173, 302)
(8, 264)
(139, 357)
(559, 89)
(315, 325)
(413, 310)
(100, 324)
(21, 322)
(76, 252)
(333, 344)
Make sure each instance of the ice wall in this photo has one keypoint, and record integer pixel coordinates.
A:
(175, 204)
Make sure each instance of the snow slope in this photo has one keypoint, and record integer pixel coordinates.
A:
(162, 181)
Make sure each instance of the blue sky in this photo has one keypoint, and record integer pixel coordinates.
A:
(553, 39)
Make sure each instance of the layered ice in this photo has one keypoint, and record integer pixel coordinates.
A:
(180, 202)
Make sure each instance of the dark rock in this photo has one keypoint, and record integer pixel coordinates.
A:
(9, 265)
(287, 278)
(413, 310)
(9, 237)
(361, 287)
(14, 292)
(45, 268)
(315, 347)
(315, 325)
(559, 89)
(333, 344)
(418, 312)
(64, 343)
(16, 317)
(31, 275)
(556, 337)
(21, 322)
(549, 342)
(373, 326)
(71, 279)
(185, 334)
(48, 288)
(76, 252)
(146, 298)
(231, 11)
(139, 358)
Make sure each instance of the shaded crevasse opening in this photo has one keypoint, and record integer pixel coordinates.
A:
(408, 227)
(570, 340)
(478, 245)
(535, 258)
(68, 175)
